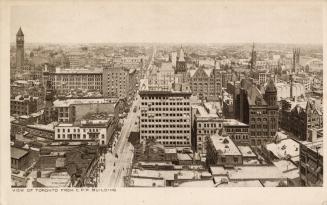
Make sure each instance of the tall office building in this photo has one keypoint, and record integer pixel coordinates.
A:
(166, 116)
(19, 49)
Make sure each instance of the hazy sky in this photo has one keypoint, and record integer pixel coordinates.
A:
(169, 22)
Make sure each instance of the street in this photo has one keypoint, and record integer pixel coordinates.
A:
(116, 168)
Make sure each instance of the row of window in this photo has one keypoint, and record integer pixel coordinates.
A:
(169, 109)
(166, 131)
(164, 114)
(78, 130)
(231, 130)
(165, 126)
(165, 137)
(164, 120)
(253, 134)
(164, 98)
(209, 125)
(166, 103)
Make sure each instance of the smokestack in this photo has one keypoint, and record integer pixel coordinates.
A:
(291, 87)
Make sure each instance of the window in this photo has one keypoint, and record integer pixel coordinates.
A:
(223, 159)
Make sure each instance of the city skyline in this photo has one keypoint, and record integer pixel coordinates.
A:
(170, 23)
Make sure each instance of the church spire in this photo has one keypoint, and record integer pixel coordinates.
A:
(20, 32)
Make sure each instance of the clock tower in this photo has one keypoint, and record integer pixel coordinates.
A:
(19, 49)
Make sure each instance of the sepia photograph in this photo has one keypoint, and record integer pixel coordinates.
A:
(166, 95)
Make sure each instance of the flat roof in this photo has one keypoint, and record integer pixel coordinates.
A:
(246, 151)
(255, 172)
(197, 183)
(234, 122)
(248, 183)
(203, 112)
(68, 102)
(224, 145)
(286, 147)
(314, 146)
(146, 182)
(79, 71)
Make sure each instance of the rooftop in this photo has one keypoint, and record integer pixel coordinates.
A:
(68, 102)
(146, 182)
(234, 122)
(224, 145)
(17, 153)
(285, 148)
(249, 172)
(315, 146)
(79, 71)
(246, 151)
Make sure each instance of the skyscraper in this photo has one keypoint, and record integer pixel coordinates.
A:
(19, 49)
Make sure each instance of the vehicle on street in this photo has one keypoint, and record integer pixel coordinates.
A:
(116, 155)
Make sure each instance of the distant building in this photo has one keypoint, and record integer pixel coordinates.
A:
(118, 81)
(77, 79)
(166, 116)
(206, 83)
(20, 49)
(180, 62)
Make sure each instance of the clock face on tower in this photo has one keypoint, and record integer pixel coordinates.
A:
(19, 38)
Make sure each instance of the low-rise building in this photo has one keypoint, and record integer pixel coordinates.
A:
(222, 151)
(19, 158)
(23, 105)
(238, 131)
(86, 130)
(311, 162)
(206, 123)
(71, 110)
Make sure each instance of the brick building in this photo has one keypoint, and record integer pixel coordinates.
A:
(205, 83)
(23, 105)
(259, 111)
(119, 81)
(299, 117)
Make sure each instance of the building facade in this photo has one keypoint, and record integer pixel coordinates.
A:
(299, 117)
(77, 79)
(222, 151)
(86, 130)
(259, 111)
(70, 110)
(311, 164)
(206, 124)
(23, 105)
(166, 117)
(237, 131)
(118, 81)
(205, 83)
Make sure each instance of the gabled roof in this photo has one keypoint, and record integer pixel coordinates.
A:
(20, 32)
(253, 95)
